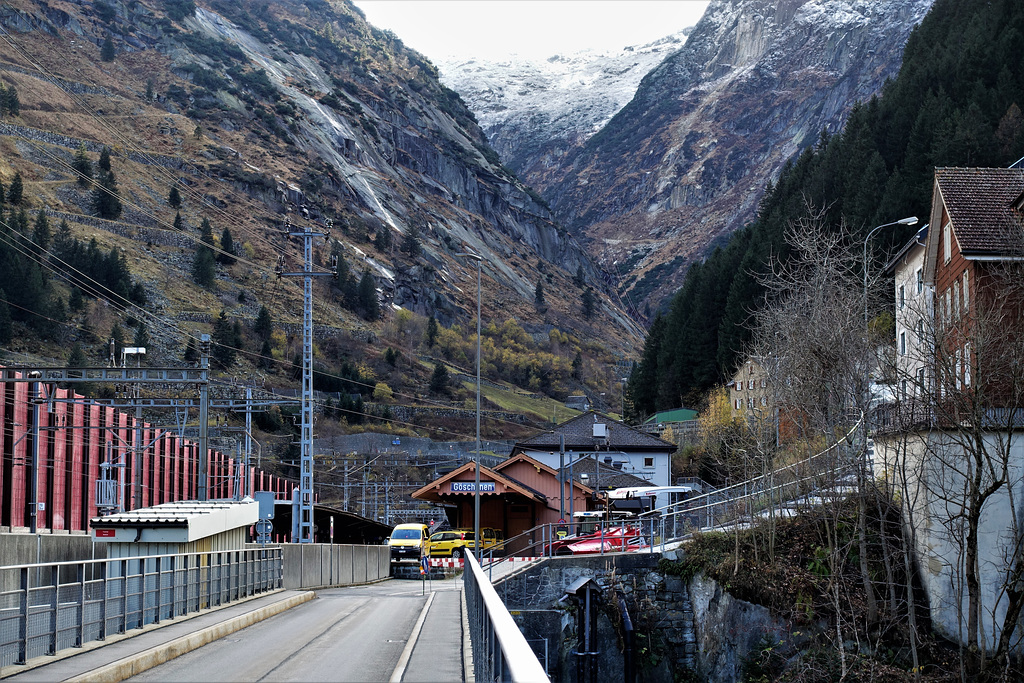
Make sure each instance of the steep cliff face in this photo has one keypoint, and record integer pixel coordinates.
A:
(534, 112)
(286, 104)
(685, 162)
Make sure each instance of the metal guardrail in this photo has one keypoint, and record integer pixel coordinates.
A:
(500, 652)
(46, 608)
(767, 494)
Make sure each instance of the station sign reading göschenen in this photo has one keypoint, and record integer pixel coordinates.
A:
(485, 486)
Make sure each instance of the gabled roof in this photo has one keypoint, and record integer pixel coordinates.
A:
(981, 207)
(579, 436)
(494, 475)
(610, 477)
(918, 240)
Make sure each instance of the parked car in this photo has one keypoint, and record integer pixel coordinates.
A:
(409, 542)
(453, 544)
(493, 538)
(615, 538)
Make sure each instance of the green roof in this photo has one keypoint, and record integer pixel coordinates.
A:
(677, 415)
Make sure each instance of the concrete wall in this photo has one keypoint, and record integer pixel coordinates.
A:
(927, 469)
(48, 548)
(318, 565)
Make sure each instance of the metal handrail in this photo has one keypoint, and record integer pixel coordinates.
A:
(500, 651)
(46, 608)
(754, 480)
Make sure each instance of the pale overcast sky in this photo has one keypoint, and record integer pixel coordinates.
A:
(493, 29)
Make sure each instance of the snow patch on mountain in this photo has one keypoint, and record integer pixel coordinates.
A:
(563, 99)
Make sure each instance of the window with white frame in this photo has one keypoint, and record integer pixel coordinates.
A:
(967, 302)
(750, 402)
(902, 298)
(921, 382)
(920, 329)
(739, 404)
(903, 343)
(956, 299)
(920, 280)
(750, 384)
(947, 241)
(967, 364)
(903, 389)
(957, 369)
(648, 462)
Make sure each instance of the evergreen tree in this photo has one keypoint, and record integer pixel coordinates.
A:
(227, 246)
(589, 303)
(266, 355)
(149, 88)
(223, 350)
(82, 166)
(439, 379)
(411, 242)
(382, 240)
(206, 232)
(15, 193)
(264, 326)
(204, 267)
(41, 231)
(577, 366)
(177, 221)
(77, 359)
(578, 279)
(6, 324)
(191, 354)
(76, 302)
(106, 198)
(174, 197)
(141, 336)
(538, 294)
(104, 163)
(107, 51)
(368, 296)
(432, 331)
(10, 104)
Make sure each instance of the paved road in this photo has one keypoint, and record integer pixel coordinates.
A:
(344, 634)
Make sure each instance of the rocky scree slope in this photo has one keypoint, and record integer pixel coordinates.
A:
(301, 103)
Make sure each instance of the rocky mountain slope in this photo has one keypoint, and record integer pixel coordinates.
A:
(686, 161)
(534, 112)
(255, 110)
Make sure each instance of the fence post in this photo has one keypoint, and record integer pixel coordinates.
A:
(54, 606)
(23, 624)
(124, 596)
(80, 636)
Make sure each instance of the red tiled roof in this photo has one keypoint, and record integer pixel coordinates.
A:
(981, 202)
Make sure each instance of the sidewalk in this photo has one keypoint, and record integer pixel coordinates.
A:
(124, 655)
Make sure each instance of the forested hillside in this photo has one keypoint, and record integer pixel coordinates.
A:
(955, 102)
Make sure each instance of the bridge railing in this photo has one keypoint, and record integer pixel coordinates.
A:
(46, 608)
(500, 651)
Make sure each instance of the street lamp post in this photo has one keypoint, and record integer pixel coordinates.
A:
(912, 220)
(477, 544)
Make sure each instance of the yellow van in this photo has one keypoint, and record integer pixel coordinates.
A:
(409, 542)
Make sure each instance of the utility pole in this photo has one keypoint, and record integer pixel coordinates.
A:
(305, 527)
